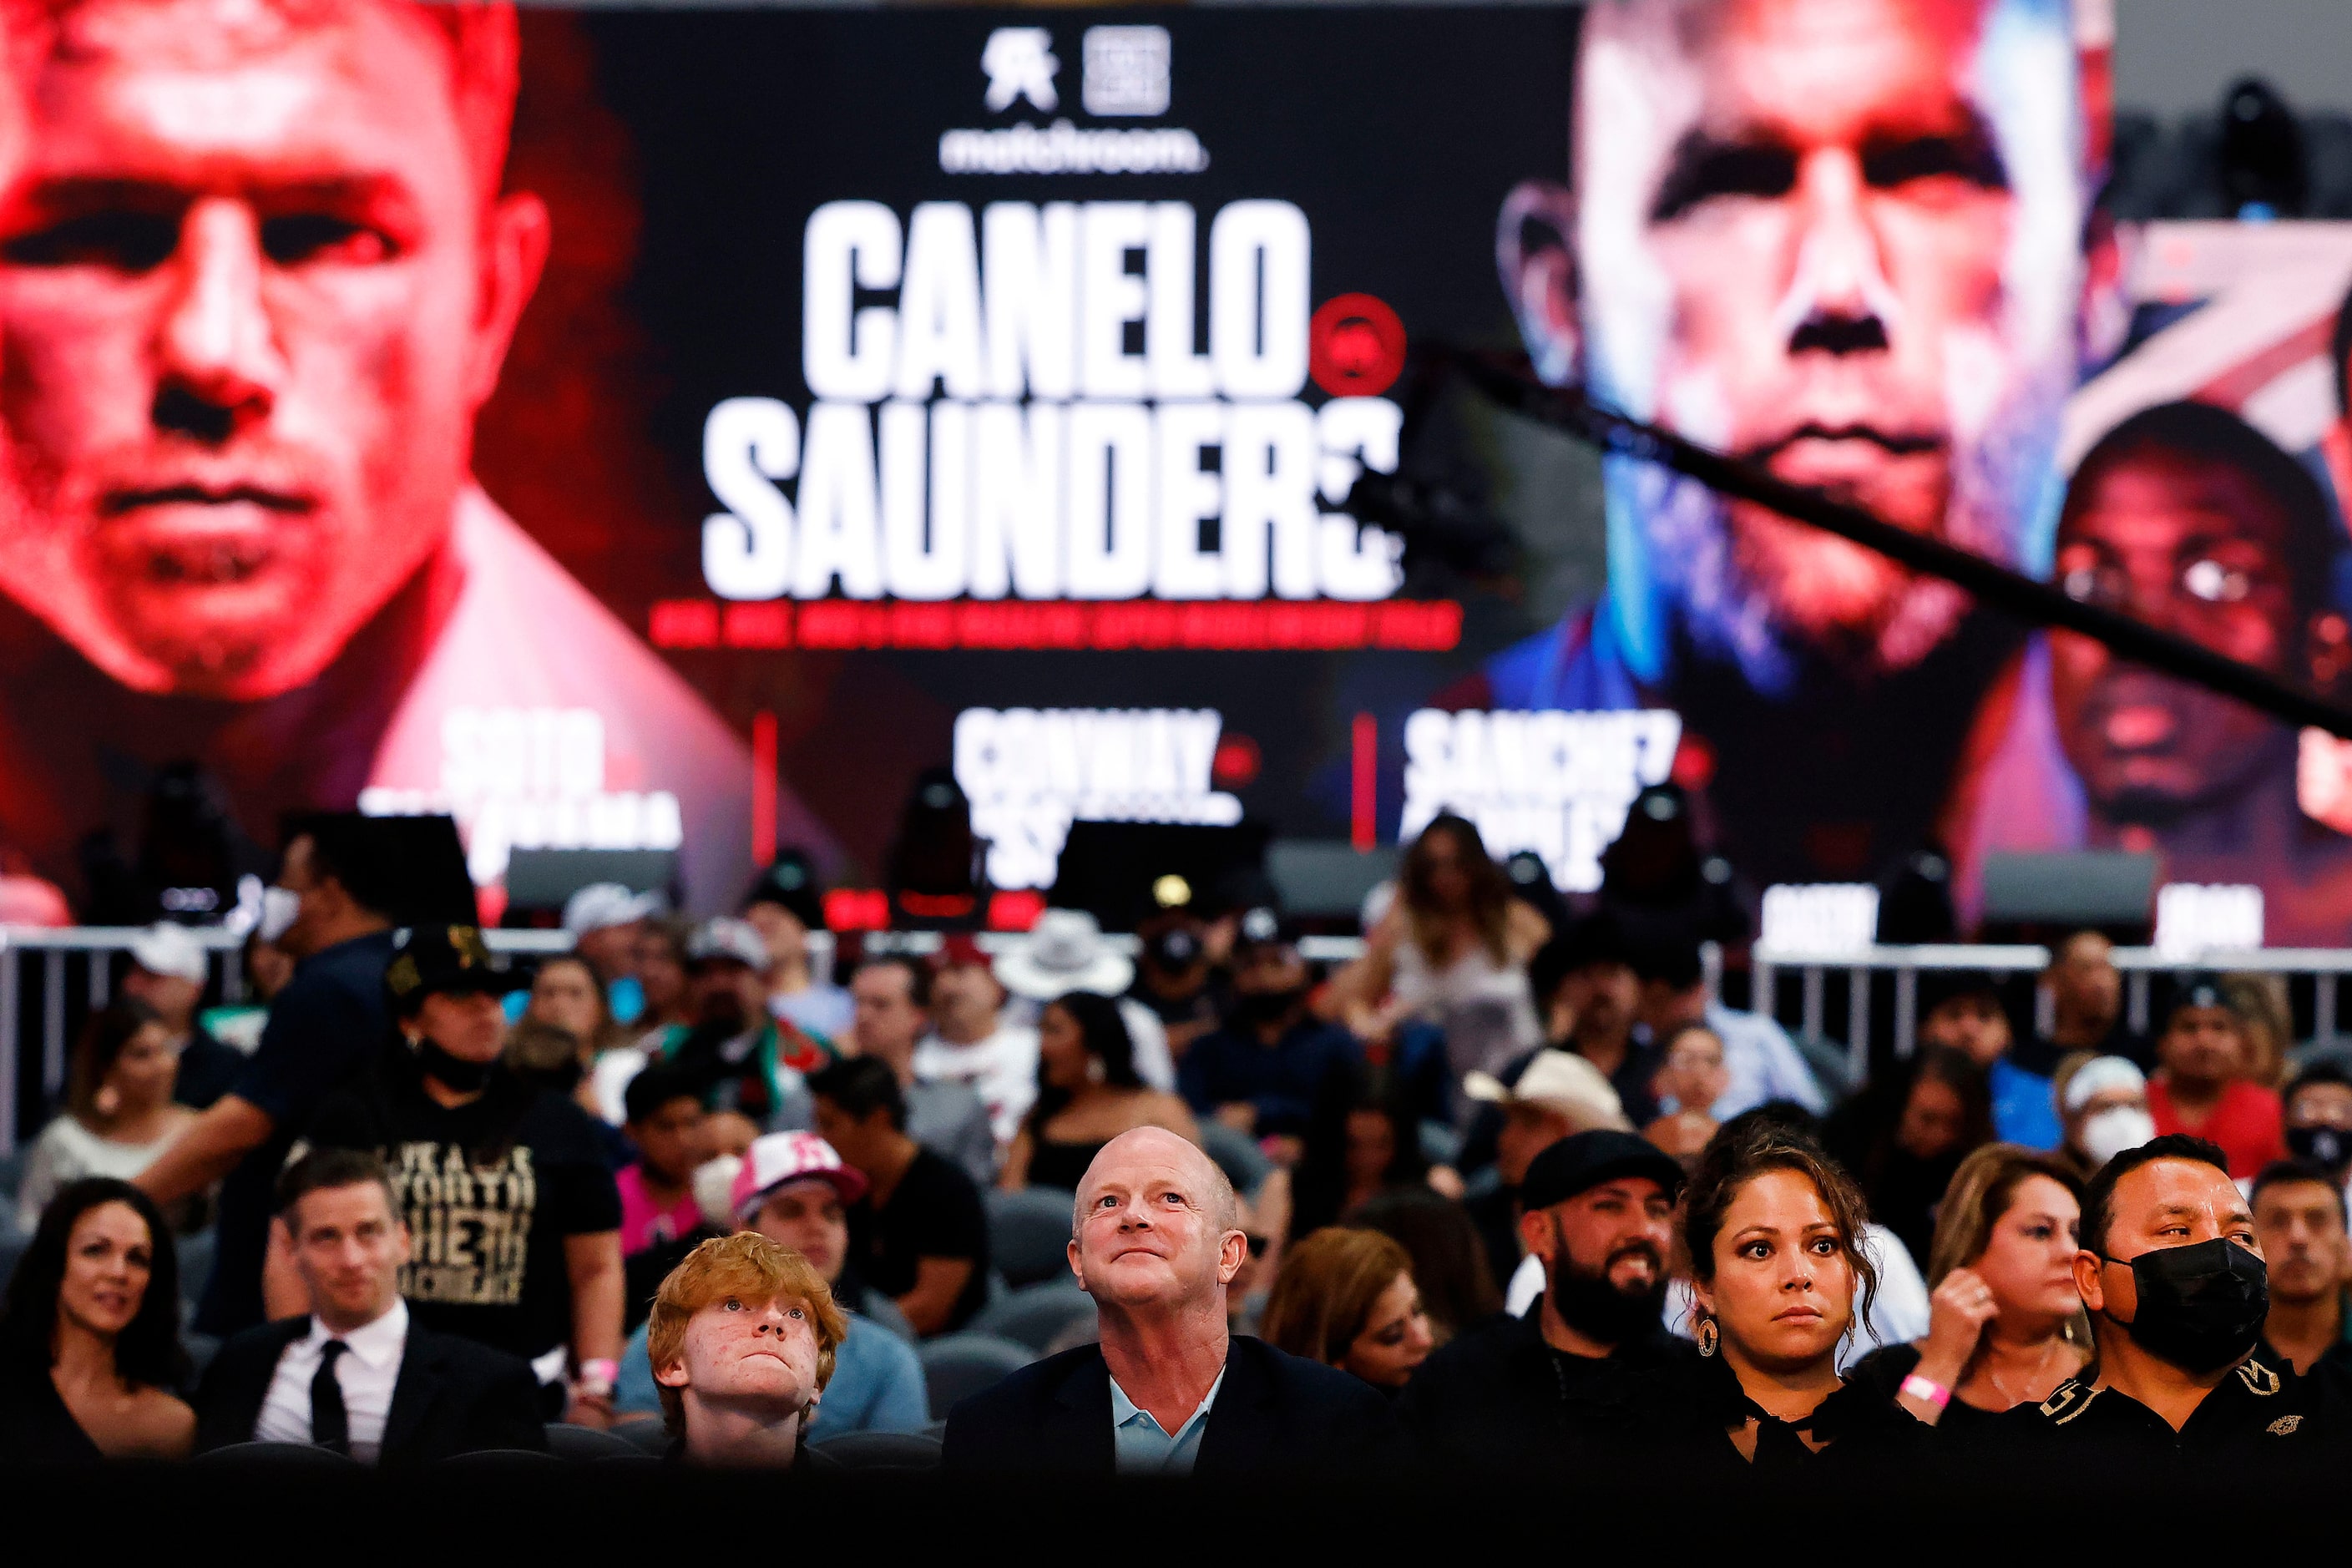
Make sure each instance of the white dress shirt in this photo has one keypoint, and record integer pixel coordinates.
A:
(366, 1372)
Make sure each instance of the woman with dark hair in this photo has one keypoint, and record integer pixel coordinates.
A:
(567, 992)
(1362, 1140)
(119, 1110)
(1451, 949)
(89, 1340)
(1904, 1140)
(1345, 1297)
(502, 1181)
(2007, 1324)
(1449, 1261)
(661, 976)
(1087, 1093)
(1771, 1231)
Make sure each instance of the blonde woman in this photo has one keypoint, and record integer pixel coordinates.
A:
(2006, 1324)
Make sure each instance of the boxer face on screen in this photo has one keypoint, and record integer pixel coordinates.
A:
(2193, 543)
(253, 284)
(1837, 237)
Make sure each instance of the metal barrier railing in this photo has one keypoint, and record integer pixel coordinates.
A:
(72, 975)
(2325, 967)
(70, 972)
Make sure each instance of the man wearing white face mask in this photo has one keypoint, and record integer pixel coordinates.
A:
(322, 1027)
(2104, 1103)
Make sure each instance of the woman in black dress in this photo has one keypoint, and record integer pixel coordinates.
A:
(2006, 1326)
(89, 1340)
(1087, 1093)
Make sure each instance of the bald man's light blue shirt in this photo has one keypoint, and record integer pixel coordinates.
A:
(1144, 1448)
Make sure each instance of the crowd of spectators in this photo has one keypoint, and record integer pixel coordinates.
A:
(1512, 1189)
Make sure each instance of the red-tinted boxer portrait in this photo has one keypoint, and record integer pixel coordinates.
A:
(258, 277)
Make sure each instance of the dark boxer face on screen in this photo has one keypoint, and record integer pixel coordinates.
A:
(250, 297)
(2188, 545)
(1805, 234)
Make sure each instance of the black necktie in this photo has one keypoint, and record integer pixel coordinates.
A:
(330, 1425)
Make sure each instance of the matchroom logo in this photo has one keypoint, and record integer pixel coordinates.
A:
(1127, 72)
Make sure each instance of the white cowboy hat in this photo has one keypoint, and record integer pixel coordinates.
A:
(1558, 1081)
(1065, 952)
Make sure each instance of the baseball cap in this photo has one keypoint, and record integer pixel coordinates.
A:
(1598, 938)
(724, 936)
(1177, 947)
(790, 884)
(1265, 926)
(1583, 1160)
(2199, 990)
(1557, 1080)
(171, 951)
(440, 960)
(600, 905)
(778, 1158)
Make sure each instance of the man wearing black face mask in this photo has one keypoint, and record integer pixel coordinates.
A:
(2318, 1108)
(503, 1184)
(2172, 1275)
(1175, 976)
(1260, 1074)
(1513, 1394)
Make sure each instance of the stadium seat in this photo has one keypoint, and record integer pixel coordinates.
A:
(1036, 1315)
(497, 1461)
(292, 1455)
(646, 1434)
(956, 1367)
(194, 1253)
(885, 1311)
(883, 1451)
(566, 1441)
(1237, 1155)
(12, 1247)
(1029, 1234)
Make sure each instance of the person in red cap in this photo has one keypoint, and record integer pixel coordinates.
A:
(794, 1189)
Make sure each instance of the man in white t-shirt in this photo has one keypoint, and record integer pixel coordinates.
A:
(970, 1043)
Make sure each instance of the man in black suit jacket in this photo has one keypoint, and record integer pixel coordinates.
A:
(1168, 1391)
(358, 1374)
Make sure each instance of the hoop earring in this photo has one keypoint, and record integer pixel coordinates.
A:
(1707, 1336)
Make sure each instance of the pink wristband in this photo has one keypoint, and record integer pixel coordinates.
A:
(1934, 1393)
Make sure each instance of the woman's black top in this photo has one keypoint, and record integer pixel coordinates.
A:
(1682, 1416)
(36, 1427)
(1884, 1370)
(1057, 1164)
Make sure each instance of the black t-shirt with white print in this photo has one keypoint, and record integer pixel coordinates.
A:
(489, 1191)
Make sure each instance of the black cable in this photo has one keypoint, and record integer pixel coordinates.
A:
(1514, 387)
